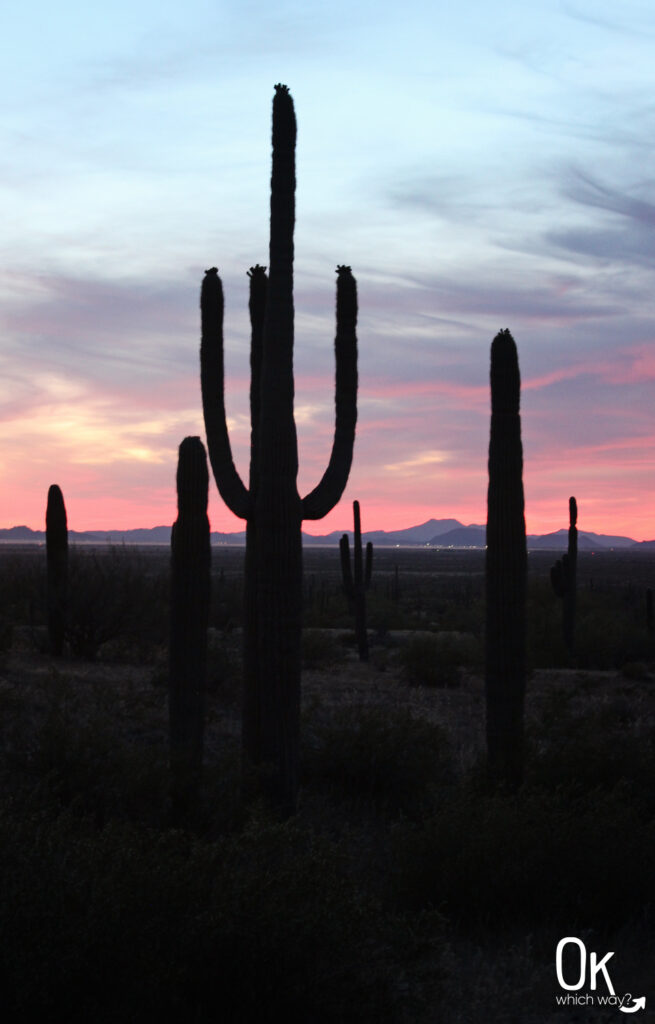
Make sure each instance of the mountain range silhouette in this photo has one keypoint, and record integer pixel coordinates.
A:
(437, 533)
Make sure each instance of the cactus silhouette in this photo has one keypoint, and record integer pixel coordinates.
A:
(271, 505)
(563, 576)
(357, 579)
(190, 596)
(56, 543)
(506, 568)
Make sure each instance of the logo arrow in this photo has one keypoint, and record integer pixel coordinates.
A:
(639, 1004)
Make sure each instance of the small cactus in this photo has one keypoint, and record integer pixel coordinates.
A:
(563, 576)
(56, 543)
(506, 570)
(190, 596)
(356, 580)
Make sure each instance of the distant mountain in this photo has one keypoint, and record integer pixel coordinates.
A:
(20, 533)
(462, 537)
(422, 534)
(437, 533)
(476, 537)
(153, 535)
(586, 541)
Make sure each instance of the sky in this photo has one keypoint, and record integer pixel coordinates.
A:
(478, 165)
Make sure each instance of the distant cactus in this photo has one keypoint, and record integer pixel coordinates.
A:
(506, 569)
(271, 505)
(563, 576)
(356, 580)
(56, 542)
(190, 596)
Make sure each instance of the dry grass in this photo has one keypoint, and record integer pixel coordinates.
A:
(104, 723)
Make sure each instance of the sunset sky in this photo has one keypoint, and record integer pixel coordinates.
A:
(478, 165)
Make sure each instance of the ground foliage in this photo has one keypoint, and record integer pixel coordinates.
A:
(403, 883)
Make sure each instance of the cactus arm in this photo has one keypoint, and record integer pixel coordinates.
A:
(212, 380)
(330, 488)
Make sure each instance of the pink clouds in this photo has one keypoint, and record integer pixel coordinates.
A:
(100, 385)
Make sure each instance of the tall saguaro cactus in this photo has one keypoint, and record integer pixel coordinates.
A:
(357, 579)
(190, 595)
(56, 543)
(563, 576)
(506, 569)
(271, 505)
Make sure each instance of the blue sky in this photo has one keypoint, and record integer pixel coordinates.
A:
(478, 166)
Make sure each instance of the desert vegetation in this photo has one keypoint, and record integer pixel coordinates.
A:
(403, 879)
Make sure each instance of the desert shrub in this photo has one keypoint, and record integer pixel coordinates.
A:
(324, 602)
(598, 744)
(544, 641)
(635, 670)
(6, 634)
(224, 665)
(22, 587)
(382, 612)
(70, 751)
(574, 858)
(386, 758)
(607, 636)
(114, 600)
(465, 612)
(105, 753)
(434, 659)
(226, 611)
(609, 631)
(129, 924)
(321, 648)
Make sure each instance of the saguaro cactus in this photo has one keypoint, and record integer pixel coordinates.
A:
(271, 505)
(190, 594)
(563, 576)
(56, 543)
(357, 579)
(506, 569)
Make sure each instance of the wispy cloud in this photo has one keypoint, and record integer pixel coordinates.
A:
(419, 461)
